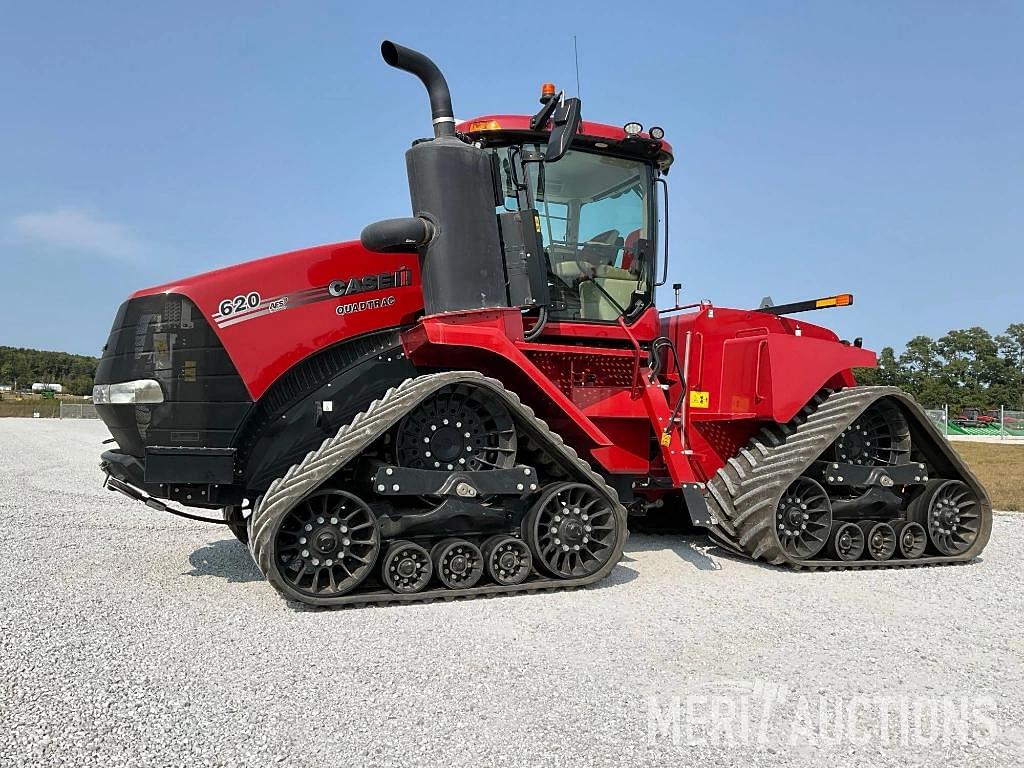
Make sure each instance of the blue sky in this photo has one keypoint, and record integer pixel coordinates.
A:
(871, 147)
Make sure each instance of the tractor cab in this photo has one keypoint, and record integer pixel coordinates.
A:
(594, 199)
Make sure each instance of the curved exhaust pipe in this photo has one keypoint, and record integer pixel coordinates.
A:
(414, 62)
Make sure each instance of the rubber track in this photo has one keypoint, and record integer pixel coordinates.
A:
(744, 494)
(335, 452)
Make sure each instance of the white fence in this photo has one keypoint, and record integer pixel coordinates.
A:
(995, 422)
(77, 411)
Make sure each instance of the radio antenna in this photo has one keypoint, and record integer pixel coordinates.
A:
(576, 54)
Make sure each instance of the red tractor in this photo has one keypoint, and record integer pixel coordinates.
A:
(479, 398)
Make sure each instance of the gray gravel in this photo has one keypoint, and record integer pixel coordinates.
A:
(133, 638)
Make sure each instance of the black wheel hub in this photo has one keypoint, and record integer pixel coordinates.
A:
(803, 518)
(880, 436)
(406, 568)
(458, 563)
(327, 544)
(953, 518)
(459, 428)
(507, 559)
(571, 530)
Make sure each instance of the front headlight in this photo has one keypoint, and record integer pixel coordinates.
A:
(128, 392)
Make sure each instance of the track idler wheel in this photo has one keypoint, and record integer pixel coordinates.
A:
(803, 519)
(879, 540)
(406, 567)
(846, 542)
(950, 512)
(507, 560)
(572, 530)
(326, 544)
(458, 563)
(911, 539)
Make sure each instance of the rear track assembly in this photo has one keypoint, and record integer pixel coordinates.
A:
(769, 508)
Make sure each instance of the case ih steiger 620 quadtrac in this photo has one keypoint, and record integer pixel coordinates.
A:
(476, 399)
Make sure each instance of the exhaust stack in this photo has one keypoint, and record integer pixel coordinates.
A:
(415, 63)
(454, 194)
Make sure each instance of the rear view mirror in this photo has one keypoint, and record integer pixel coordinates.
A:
(566, 121)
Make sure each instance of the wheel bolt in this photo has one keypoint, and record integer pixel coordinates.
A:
(308, 527)
(305, 553)
(334, 521)
(320, 521)
(315, 561)
(302, 540)
(344, 529)
(346, 542)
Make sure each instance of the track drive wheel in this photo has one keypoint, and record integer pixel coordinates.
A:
(458, 563)
(879, 539)
(879, 436)
(507, 559)
(322, 548)
(950, 512)
(406, 568)
(458, 428)
(572, 530)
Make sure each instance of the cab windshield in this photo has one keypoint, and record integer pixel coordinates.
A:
(595, 216)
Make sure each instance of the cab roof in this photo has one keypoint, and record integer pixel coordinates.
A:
(500, 127)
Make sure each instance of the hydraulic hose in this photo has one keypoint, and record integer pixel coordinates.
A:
(414, 62)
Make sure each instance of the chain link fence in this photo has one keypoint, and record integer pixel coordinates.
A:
(78, 411)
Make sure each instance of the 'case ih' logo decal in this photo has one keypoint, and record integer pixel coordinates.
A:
(379, 282)
(251, 304)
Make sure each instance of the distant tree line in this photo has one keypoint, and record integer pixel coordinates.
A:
(964, 369)
(28, 366)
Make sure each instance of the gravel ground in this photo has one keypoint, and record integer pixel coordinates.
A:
(134, 638)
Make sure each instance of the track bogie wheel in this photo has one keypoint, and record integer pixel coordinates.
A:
(458, 563)
(846, 542)
(406, 568)
(803, 518)
(326, 544)
(507, 559)
(878, 437)
(911, 539)
(879, 539)
(951, 513)
(572, 530)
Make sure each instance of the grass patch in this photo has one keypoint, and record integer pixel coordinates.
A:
(1000, 468)
(47, 409)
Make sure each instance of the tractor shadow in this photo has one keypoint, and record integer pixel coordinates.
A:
(226, 559)
(695, 549)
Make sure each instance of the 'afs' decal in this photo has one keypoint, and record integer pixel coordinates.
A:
(251, 304)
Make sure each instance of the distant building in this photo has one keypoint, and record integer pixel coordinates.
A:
(47, 388)
(6, 388)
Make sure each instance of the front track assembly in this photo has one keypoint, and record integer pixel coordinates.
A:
(860, 478)
(447, 486)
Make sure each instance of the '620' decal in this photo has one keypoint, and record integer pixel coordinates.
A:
(250, 300)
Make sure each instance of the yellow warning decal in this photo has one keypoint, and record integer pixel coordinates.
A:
(666, 439)
(700, 399)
